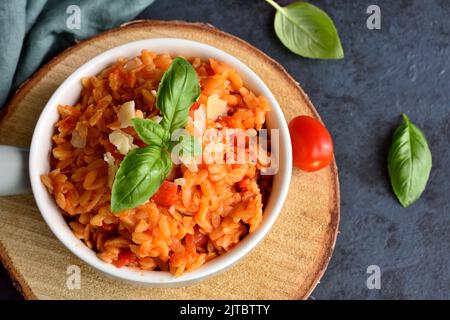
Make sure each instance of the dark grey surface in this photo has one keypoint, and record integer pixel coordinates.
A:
(7, 290)
(402, 68)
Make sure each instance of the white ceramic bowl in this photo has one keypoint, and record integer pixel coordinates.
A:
(69, 92)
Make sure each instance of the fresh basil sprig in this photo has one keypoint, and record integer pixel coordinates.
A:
(178, 90)
(409, 162)
(140, 175)
(151, 132)
(307, 31)
(143, 170)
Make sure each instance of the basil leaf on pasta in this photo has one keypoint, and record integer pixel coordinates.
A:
(178, 90)
(143, 170)
(150, 132)
(140, 175)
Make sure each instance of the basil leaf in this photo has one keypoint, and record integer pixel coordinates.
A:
(409, 162)
(143, 170)
(140, 175)
(178, 90)
(307, 31)
(150, 132)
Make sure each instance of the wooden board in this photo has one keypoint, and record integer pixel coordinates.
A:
(287, 265)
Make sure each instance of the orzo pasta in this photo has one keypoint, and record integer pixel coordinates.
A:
(200, 212)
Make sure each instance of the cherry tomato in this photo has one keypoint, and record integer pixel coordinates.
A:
(312, 146)
(167, 194)
(200, 239)
(194, 107)
(125, 257)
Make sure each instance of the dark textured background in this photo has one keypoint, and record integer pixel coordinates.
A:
(402, 68)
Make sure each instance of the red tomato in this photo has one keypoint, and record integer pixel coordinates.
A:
(200, 239)
(167, 194)
(125, 258)
(243, 183)
(312, 146)
(189, 243)
(108, 227)
(194, 107)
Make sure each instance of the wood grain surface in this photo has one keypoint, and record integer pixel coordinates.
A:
(287, 265)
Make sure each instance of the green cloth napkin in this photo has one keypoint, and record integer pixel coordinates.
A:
(33, 31)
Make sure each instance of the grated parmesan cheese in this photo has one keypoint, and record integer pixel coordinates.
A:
(199, 121)
(112, 168)
(215, 107)
(180, 181)
(157, 119)
(126, 113)
(123, 141)
(77, 141)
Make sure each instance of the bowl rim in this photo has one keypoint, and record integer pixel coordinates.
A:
(160, 278)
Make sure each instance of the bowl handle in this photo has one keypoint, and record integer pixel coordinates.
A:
(14, 171)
